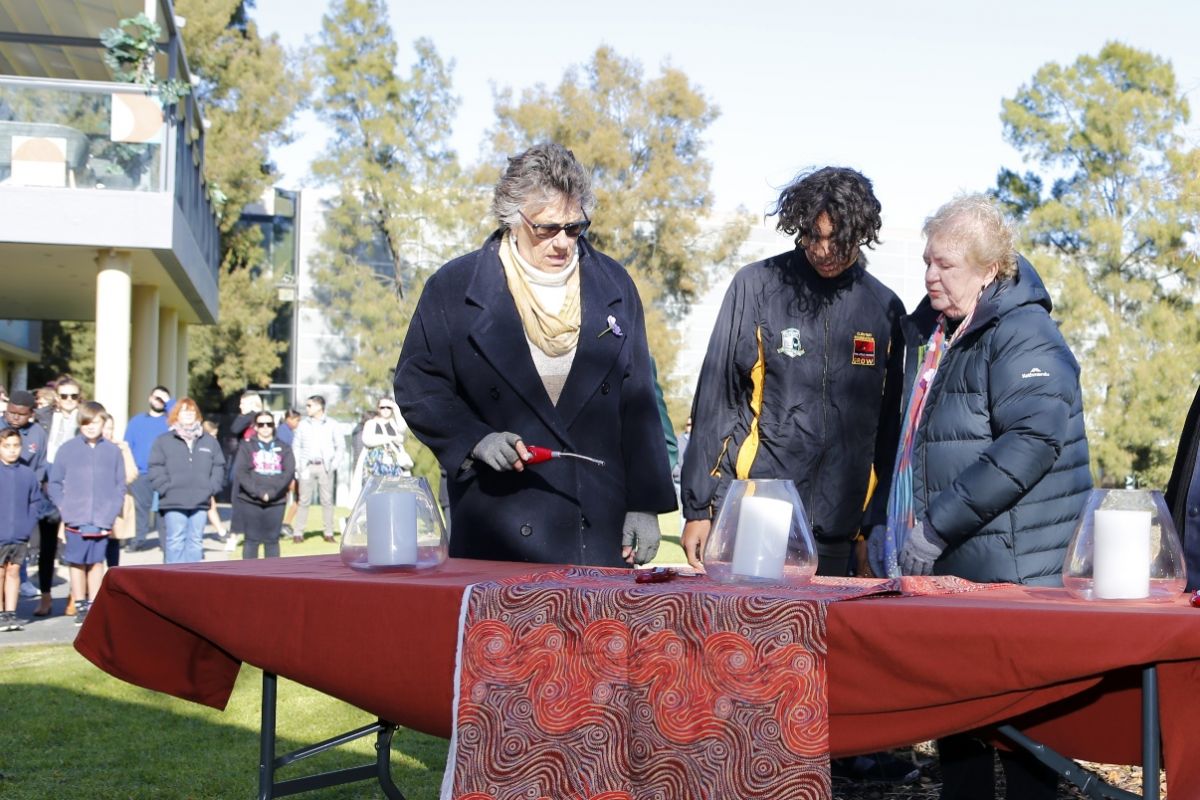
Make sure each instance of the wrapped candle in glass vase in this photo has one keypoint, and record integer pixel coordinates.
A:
(761, 535)
(395, 525)
(1125, 547)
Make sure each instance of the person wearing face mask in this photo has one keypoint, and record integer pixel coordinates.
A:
(539, 339)
(992, 468)
(802, 375)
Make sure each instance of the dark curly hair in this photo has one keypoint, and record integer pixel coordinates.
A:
(842, 193)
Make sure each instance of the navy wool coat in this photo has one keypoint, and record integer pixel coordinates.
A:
(465, 371)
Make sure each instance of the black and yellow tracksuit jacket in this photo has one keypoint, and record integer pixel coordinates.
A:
(802, 380)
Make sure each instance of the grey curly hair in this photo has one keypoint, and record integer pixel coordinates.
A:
(977, 225)
(538, 177)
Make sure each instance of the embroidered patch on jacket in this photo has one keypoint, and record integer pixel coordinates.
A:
(864, 350)
(1036, 372)
(789, 342)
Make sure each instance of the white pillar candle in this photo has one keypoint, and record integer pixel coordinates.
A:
(392, 529)
(1121, 554)
(762, 537)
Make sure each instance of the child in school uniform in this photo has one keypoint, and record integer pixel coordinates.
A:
(87, 484)
(20, 506)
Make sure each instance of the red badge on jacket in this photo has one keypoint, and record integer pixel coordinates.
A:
(864, 350)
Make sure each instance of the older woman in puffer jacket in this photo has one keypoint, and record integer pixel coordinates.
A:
(992, 468)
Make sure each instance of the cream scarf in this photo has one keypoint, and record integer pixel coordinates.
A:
(554, 333)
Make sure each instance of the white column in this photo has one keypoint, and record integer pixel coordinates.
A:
(168, 332)
(143, 369)
(114, 292)
(19, 375)
(181, 361)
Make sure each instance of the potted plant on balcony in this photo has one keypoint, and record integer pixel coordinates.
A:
(130, 49)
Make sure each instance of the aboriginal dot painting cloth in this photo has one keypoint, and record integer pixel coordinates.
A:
(581, 684)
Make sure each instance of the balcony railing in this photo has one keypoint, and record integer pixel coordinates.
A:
(89, 135)
(80, 135)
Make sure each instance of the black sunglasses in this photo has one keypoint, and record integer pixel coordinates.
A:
(264, 424)
(543, 230)
(67, 396)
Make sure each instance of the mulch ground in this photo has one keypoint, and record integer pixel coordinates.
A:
(930, 785)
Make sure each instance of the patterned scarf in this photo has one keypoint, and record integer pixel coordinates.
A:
(189, 433)
(554, 333)
(901, 516)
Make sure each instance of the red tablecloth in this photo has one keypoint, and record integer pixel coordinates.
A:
(901, 670)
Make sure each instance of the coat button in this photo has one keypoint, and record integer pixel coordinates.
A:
(605, 388)
(527, 529)
(494, 392)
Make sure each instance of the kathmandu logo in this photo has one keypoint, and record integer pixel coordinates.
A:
(1036, 372)
(789, 343)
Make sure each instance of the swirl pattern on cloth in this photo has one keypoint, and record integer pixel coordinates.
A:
(580, 683)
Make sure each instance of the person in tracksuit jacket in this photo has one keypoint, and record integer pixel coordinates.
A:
(803, 375)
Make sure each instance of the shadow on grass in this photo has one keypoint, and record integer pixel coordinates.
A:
(69, 743)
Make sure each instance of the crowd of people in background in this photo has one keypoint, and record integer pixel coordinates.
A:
(72, 491)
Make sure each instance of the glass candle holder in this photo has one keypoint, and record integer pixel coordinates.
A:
(761, 536)
(1125, 547)
(395, 525)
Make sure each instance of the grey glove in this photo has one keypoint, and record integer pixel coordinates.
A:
(497, 450)
(640, 531)
(875, 550)
(921, 549)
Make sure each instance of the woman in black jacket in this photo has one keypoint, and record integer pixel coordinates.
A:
(264, 468)
(539, 339)
(992, 470)
(186, 469)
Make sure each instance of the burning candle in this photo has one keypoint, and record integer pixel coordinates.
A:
(1121, 554)
(762, 538)
(392, 529)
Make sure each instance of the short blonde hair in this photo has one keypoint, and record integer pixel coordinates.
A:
(977, 225)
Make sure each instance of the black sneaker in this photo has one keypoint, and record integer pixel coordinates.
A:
(9, 621)
(81, 609)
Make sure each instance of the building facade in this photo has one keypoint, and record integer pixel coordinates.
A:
(104, 212)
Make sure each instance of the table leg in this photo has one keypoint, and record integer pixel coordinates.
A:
(1090, 784)
(1151, 734)
(268, 762)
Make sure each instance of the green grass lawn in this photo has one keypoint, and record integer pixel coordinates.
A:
(71, 731)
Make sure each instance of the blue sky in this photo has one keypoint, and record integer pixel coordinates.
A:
(907, 92)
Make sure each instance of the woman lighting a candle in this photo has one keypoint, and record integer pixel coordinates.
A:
(992, 468)
(539, 339)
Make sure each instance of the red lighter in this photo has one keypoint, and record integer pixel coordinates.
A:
(540, 454)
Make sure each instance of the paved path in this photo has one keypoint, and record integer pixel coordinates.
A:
(60, 629)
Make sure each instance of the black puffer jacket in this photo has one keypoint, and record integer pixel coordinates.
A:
(1000, 462)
